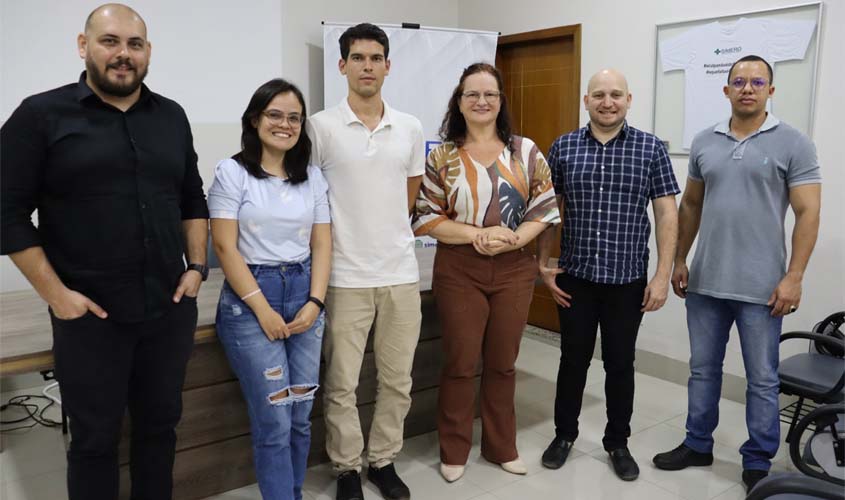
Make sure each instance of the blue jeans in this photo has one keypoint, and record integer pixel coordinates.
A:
(709, 321)
(281, 427)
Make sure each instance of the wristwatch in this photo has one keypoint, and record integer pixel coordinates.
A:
(202, 269)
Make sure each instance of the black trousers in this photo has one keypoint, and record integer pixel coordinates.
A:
(103, 368)
(616, 308)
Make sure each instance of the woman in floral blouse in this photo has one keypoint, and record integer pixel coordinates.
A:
(486, 194)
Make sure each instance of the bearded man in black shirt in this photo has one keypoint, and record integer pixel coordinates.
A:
(111, 169)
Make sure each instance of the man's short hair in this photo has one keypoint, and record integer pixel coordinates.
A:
(752, 58)
(363, 31)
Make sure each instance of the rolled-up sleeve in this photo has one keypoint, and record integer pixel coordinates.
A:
(23, 153)
(226, 193)
(193, 197)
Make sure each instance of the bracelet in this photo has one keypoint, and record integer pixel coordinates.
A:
(250, 294)
(317, 302)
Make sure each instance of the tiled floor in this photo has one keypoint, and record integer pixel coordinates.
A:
(32, 464)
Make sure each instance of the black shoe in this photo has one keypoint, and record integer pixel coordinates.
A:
(681, 458)
(751, 477)
(388, 482)
(623, 464)
(349, 486)
(555, 455)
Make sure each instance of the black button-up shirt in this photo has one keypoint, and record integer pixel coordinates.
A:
(111, 189)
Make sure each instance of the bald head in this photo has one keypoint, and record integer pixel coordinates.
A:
(112, 11)
(607, 101)
(610, 77)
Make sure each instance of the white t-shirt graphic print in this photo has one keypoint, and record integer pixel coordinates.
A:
(706, 53)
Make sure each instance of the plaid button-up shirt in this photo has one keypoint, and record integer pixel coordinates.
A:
(606, 189)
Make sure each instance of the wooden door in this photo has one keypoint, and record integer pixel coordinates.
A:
(542, 76)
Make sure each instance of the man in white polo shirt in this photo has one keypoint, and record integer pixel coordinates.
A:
(373, 158)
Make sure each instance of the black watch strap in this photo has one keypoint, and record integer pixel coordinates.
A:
(317, 302)
(203, 270)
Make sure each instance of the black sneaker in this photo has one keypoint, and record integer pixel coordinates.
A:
(388, 482)
(555, 455)
(750, 477)
(349, 486)
(624, 464)
(681, 458)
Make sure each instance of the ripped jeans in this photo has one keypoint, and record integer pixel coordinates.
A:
(278, 378)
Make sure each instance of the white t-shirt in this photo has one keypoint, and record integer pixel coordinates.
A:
(706, 54)
(274, 217)
(367, 173)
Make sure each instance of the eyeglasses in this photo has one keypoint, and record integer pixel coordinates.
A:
(278, 118)
(473, 97)
(739, 83)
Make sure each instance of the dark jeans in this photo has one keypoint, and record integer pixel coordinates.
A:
(104, 367)
(616, 308)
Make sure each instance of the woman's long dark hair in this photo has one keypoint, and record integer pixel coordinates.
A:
(296, 159)
(454, 126)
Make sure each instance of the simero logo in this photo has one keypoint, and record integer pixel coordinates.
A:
(728, 50)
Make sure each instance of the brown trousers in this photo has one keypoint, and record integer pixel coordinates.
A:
(483, 307)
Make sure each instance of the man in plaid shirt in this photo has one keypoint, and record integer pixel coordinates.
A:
(605, 175)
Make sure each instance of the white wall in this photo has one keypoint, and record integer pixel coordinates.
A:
(302, 33)
(622, 35)
(49, 59)
(197, 50)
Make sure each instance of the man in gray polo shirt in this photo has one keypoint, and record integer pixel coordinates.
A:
(743, 173)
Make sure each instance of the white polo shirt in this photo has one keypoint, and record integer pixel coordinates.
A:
(367, 173)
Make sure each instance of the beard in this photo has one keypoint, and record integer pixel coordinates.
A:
(123, 88)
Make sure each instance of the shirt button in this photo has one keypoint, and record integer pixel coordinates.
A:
(597, 256)
(602, 167)
(143, 205)
(599, 210)
(601, 189)
(598, 233)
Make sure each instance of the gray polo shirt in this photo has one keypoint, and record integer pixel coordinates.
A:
(741, 251)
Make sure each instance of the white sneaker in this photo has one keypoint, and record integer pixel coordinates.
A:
(515, 467)
(451, 473)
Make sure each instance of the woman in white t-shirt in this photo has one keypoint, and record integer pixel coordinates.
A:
(270, 227)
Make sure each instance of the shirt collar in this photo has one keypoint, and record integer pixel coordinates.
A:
(724, 127)
(623, 132)
(349, 116)
(83, 91)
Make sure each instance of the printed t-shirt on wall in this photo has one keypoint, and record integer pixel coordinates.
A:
(706, 53)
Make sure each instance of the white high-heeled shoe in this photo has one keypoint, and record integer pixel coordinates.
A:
(515, 467)
(452, 473)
